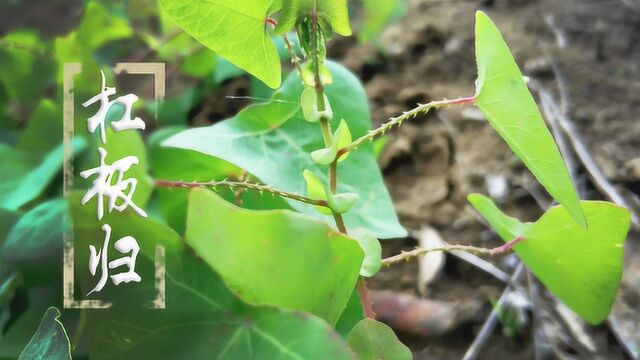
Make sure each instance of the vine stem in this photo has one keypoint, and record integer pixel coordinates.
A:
(408, 255)
(361, 287)
(397, 121)
(241, 185)
(294, 57)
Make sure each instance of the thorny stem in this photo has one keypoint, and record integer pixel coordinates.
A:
(367, 304)
(397, 121)
(294, 57)
(238, 193)
(241, 185)
(406, 256)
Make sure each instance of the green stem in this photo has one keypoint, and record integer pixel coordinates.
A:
(397, 121)
(406, 256)
(326, 132)
(241, 185)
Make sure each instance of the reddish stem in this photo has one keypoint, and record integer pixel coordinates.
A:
(507, 247)
(462, 101)
(365, 298)
(271, 21)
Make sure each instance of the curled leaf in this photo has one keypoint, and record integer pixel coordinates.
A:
(309, 105)
(315, 190)
(341, 138)
(341, 203)
(372, 251)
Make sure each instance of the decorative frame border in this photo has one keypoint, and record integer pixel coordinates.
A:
(69, 71)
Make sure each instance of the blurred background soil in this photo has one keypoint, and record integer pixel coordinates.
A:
(587, 54)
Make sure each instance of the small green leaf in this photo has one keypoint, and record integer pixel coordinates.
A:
(333, 12)
(372, 251)
(307, 74)
(581, 266)
(315, 268)
(316, 190)
(504, 98)
(50, 340)
(236, 30)
(373, 340)
(344, 138)
(309, 105)
(341, 138)
(341, 203)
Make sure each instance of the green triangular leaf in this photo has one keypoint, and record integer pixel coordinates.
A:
(236, 30)
(581, 266)
(504, 98)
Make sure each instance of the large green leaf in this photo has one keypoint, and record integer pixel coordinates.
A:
(236, 30)
(582, 266)
(333, 12)
(275, 257)
(373, 340)
(50, 340)
(23, 179)
(37, 235)
(177, 164)
(44, 129)
(503, 96)
(273, 142)
(202, 318)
